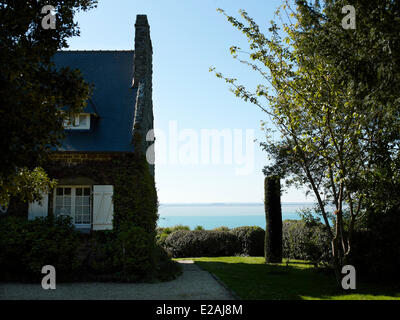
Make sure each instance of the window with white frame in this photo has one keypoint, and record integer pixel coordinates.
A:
(73, 201)
(80, 121)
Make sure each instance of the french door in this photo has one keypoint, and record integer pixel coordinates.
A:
(74, 201)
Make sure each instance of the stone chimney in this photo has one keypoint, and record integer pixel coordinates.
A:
(143, 64)
(142, 80)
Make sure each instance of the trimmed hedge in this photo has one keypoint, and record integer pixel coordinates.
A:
(301, 240)
(251, 240)
(201, 243)
(163, 233)
(213, 243)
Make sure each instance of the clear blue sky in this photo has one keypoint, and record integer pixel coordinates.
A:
(188, 37)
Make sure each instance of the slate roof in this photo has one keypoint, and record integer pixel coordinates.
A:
(113, 100)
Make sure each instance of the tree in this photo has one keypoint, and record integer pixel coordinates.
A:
(334, 130)
(35, 96)
(368, 62)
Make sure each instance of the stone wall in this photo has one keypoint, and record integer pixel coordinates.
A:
(71, 158)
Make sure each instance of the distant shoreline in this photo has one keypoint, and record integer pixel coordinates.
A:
(232, 215)
(228, 204)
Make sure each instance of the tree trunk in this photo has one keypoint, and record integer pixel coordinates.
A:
(273, 216)
(336, 261)
(336, 257)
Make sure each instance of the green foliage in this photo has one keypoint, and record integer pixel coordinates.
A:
(127, 252)
(222, 228)
(135, 196)
(137, 252)
(365, 61)
(302, 239)
(220, 241)
(26, 184)
(163, 233)
(176, 228)
(251, 240)
(332, 94)
(135, 216)
(27, 246)
(33, 91)
(127, 256)
(161, 237)
(198, 243)
(376, 253)
(167, 269)
(306, 241)
(103, 261)
(199, 228)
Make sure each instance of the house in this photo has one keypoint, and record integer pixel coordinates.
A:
(119, 109)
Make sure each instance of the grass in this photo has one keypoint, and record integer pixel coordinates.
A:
(252, 279)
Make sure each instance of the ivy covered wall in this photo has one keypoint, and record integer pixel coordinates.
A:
(135, 207)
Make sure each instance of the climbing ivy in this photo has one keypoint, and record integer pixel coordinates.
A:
(135, 212)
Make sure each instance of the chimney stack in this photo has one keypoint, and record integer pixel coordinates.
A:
(143, 52)
(142, 80)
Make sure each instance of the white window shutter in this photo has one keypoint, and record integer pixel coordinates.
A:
(103, 207)
(38, 208)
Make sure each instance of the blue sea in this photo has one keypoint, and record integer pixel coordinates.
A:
(231, 215)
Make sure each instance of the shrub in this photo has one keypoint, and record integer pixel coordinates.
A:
(301, 240)
(376, 248)
(27, 246)
(136, 252)
(162, 233)
(179, 227)
(306, 241)
(251, 240)
(199, 228)
(222, 228)
(166, 269)
(126, 255)
(160, 238)
(102, 256)
(201, 243)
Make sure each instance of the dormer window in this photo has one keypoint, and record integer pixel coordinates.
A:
(80, 122)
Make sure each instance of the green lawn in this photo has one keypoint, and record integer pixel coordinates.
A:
(252, 279)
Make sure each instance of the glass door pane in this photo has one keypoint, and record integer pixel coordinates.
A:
(63, 201)
(82, 205)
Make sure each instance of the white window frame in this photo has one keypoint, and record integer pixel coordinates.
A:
(73, 198)
(76, 124)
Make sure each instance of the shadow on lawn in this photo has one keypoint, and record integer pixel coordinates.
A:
(292, 282)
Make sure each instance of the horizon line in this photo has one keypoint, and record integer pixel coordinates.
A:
(230, 203)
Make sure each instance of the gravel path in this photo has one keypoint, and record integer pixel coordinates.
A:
(193, 284)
